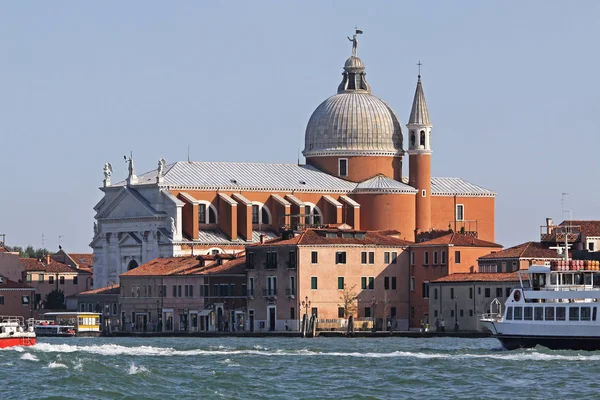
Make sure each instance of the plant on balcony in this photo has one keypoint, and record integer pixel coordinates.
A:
(348, 299)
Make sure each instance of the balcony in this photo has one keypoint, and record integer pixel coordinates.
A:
(269, 292)
(465, 227)
(290, 292)
(271, 266)
(558, 233)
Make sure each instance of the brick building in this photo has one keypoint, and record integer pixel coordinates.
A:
(518, 257)
(16, 298)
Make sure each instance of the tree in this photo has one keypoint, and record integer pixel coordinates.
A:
(55, 300)
(28, 252)
(348, 299)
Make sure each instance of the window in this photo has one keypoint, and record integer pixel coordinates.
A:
(422, 139)
(423, 193)
(470, 313)
(386, 283)
(560, 313)
(509, 314)
(518, 313)
(367, 312)
(452, 313)
(412, 312)
(460, 212)
(24, 300)
(342, 166)
(363, 282)
(41, 278)
(340, 282)
(594, 309)
(175, 291)
(272, 286)
(386, 257)
(314, 257)
(528, 313)
(507, 292)
(75, 280)
(292, 313)
(202, 213)
(591, 246)
(499, 292)
(470, 292)
(478, 291)
(371, 257)
(264, 215)
(462, 314)
(426, 258)
(363, 257)
(393, 312)
(451, 293)
(341, 312)
(393, 283)
(425, 290)
(435, 258)
(61, 280)
(2, 300)
(412, 283)
(435, 293)
(443, 257)
(313, 283)
(412, 258)
(179, 291)
(292, 260)
(586, 313)
(457, 257)
(28, 278)
(574, 314)
(250, 286)
(250, 260)
(549, 313)
(315, 312)
(255, 210)
(340, 257)
(394, 257)
(538, 313)
(50, 279)
(371, 283)
(271, 260)
(487, 292)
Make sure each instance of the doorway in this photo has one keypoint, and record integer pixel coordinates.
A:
(271, 317)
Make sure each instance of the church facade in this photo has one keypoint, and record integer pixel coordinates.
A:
(353, 176)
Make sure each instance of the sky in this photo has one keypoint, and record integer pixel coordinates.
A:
(512, 89)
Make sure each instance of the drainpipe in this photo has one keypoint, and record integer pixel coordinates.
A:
(409, 291)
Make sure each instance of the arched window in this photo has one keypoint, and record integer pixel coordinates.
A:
(422, 143)
(207, 213)
(132, 264)
(260, 214)
(312, 214)
(413, 139)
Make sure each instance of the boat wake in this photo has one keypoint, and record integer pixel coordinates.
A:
(117, 350)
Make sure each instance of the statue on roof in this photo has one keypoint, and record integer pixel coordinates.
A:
(95, 229)
(162, 163)
(107, 170)
(130, 161)
(173, 227)
(354, 40)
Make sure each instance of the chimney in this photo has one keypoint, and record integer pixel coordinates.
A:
(47, 258)
(549, 225)
(262, 238)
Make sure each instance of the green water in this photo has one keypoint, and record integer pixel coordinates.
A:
(286, 368)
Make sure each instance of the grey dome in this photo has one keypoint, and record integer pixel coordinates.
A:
(353, 122)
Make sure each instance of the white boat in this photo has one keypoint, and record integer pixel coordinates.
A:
(555, 309)
(49, 328)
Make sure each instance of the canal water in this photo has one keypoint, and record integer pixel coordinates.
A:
(293, 368)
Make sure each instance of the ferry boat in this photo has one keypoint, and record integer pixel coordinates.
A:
(13, 332)
(555, 307)
(49, 328)
(84, 323)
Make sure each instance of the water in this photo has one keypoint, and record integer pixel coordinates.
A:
(286, 368)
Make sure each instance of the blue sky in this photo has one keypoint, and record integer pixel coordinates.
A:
(512, 89)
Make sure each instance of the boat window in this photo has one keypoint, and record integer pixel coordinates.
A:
(578, 279)
(553, 279)
(567, 279)
(549, 313)
(596, 279)
(528, 313)
(509, 313)
(594, 313)
(586, 313)
(539, 314)
(518, 313)
(560, 313)
(573, 313)
(588, 279)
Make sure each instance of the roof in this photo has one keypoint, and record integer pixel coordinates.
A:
(457, 239)
(587, 227)
(524, 250)
(480, 277)
(458, 187)
(262, 177)
(9, 284)
(418, 113)
(188, 265)
(33, 264)
(381, 183)
(312, 237)
(83, 259)
(112, 289)
(217, 237)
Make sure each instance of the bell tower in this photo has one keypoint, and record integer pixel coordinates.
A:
(419, 161)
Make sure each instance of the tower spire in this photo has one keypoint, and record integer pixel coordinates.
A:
(419, 113)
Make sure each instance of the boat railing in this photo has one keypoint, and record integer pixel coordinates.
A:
(8, 319)
(564, 288)
(492, 316)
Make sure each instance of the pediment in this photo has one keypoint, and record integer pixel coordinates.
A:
(129, 204)
(130, 239)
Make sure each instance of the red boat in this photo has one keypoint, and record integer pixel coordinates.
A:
(14, 332)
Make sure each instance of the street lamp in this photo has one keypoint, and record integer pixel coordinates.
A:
(455, 314)
(305, 304)
(157, 313)
(373, 307)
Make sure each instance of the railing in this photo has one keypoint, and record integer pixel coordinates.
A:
(465, 226)
(269, 292)
(558, 233)
(11, 319)
(291, 264)
(341, 324)
(290, 292)
(492, 316)
(271, 266)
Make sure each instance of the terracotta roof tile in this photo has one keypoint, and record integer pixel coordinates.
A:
(33, 264)
(458, 239)
(112, 289)
(318, 237)
(587, 227)
(480, 277)
(85, 260)
(524, 250)
(187, 266)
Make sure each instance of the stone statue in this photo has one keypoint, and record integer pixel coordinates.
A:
(107, 171)
(161, 166)
(130, 167)
(173, 227)
(354, 41)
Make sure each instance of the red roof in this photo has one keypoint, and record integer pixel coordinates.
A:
(187, 266)
(480, 277)
(8, 284)
(84, 260)
(112, 289)
(588, 228)
(524, 250)
(3, 249)
(457, 239)
(313, 237)
(33, 264)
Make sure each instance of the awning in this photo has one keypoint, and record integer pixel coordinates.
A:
(204, 313)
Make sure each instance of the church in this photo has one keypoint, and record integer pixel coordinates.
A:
(354, 151)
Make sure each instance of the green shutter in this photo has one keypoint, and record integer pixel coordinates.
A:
(313, 282)
(363, 282)
(340, 282)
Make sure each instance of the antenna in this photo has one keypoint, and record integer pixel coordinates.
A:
(59, 240)
(298, 155)
(563, 200)
(43, 247)
(188, 153)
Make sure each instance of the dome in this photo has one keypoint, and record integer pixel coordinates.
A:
(353, 122)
